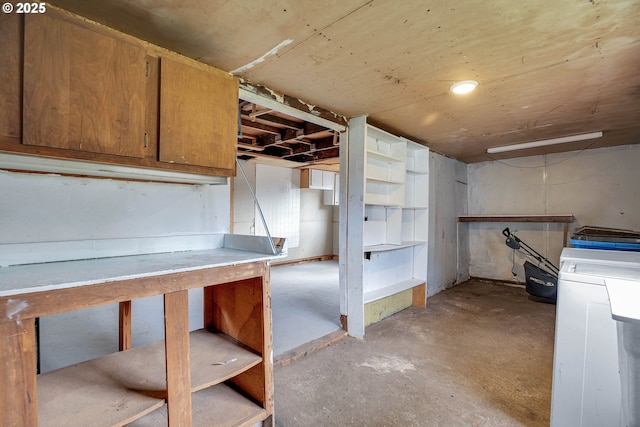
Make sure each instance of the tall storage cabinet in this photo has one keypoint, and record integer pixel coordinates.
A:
(388, 225)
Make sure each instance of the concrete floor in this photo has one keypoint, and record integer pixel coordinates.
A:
(481, 354)
(305, 303)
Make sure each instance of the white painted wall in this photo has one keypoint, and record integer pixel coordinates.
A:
(278, 193)
(48, 217)
(316, 226)
(600, 187)
(51, 217)
(316, 219)
(447, 200)
(243, 205)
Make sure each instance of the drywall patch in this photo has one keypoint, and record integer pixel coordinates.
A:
(388, 364)
(263, 57)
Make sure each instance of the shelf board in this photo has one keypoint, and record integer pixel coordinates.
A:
(516, 218)
(417, 171)
(376, 155)
(392, 247)
(383, 200)
(215, 406)
(376, 294)
(209, 352)
(123, 386)
(385, 180)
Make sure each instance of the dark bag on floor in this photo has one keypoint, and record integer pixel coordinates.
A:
(540, 283)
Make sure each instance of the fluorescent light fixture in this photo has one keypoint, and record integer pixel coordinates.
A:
(544, 142)
(465, 86)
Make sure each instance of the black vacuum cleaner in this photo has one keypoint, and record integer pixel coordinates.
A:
(541, 278)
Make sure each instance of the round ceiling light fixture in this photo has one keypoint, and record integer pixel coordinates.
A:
(465, 86)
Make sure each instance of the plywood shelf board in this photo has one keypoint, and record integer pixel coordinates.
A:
(376, 294)
(392, 247)
(385, 180)
(418, 172)
(212, 407)
(378, 133)
(385, 158)
(516, 218)
(120, 387)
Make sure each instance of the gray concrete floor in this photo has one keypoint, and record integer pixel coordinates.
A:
(305, 303)
(480, 354)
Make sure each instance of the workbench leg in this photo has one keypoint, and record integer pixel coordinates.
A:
(18, 404)
(176, 330)
(124, 338)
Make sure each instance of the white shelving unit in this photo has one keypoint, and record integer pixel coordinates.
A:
(388, 225)
(384, 168)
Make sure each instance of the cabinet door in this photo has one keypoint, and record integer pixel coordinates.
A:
(198, 116)
(10, 67)
(83, 90)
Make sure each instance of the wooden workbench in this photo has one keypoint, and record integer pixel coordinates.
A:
(222, 372)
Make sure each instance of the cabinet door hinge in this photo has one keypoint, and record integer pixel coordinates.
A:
(145, 140)
(146, 71)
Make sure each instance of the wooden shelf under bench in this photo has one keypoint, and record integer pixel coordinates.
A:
(118, 388)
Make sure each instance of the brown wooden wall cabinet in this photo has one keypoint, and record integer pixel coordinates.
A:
(218, 375)
(11, 87)
(78, 90)
(82, 90)
(198, 110)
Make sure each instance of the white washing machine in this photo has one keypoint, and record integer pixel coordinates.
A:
(586, 388)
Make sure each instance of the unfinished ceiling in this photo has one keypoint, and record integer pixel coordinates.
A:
(545, 69)
(268, 134)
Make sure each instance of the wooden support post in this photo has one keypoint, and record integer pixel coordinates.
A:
(124, 341)
(343, 322)
(18, 404)
(176, 327)
(242, 310)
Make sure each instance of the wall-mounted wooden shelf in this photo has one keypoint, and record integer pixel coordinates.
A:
(516, 218)
(564, 218)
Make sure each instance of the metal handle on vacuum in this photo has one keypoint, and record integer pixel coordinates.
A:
(507, 233)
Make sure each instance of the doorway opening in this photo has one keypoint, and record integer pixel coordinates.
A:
(291, 162)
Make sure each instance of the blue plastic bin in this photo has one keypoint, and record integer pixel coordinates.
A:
(611, 246)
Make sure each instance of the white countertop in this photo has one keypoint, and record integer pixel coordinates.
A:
(30, 278)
